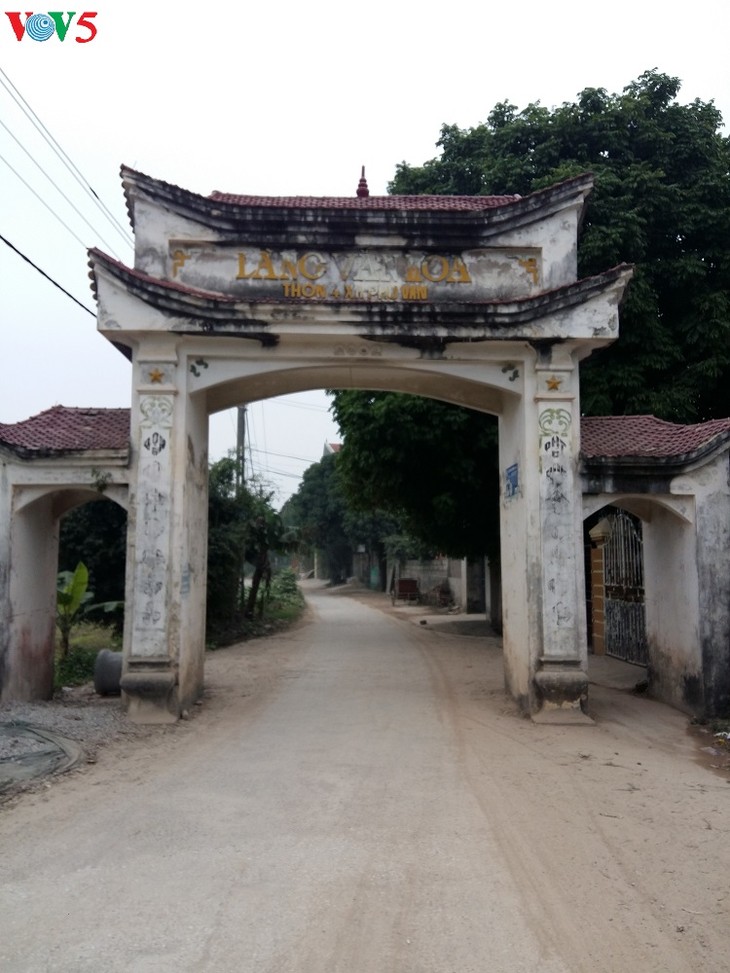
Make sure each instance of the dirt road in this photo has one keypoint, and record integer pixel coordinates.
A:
(359, 796)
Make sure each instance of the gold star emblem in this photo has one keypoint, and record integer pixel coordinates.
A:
(554, 383)
(156, 375)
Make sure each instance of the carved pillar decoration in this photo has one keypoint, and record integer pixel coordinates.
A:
(562, 679)
(150, 676)
(153, 525)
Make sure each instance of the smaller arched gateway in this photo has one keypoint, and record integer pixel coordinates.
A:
(473, 300)
(675, 480)
(49, 464)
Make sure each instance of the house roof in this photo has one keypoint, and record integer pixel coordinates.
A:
(612, 438)
(61, 430)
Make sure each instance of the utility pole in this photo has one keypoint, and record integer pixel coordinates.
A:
(240, 448)
(240, 483)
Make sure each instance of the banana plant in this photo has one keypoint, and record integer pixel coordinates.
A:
(72, 603)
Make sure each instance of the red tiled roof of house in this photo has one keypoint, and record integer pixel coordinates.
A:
(449, 203)
(646, 436)
(62, 429)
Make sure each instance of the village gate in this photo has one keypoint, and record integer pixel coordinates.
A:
(472, 300)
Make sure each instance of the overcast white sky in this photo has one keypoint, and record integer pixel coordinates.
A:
(280, 98)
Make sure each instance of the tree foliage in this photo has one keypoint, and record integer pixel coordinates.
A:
(324, 517)
(318, 514)
(431, 466)
(72, 604)
(661, 202)
(96, 533)
(242, 527)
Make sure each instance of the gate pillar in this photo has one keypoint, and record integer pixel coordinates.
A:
(167, 540)
(541, 517)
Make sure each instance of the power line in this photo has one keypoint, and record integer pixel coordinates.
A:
(293, 476)
(267, 452)
(302, 405)
(56, 187)
(63, 156)
(42, 200)
(44, 274)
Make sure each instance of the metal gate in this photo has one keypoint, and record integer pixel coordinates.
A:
(623, 566)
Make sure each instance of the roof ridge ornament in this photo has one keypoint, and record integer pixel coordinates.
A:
(362, 186)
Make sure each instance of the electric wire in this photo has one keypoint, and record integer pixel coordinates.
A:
(41, 200)
(269, 452)
(44, 274)
(63, 156)
(57, 188)
(303, 405)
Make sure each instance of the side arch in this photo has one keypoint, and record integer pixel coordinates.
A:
(28, 645)
(671, 594)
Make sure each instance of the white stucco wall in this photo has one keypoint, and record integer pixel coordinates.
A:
(672, 605)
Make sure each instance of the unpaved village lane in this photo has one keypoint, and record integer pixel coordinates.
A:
(359, 796)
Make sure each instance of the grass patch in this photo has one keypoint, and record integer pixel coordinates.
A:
(274, 613)
(78, 666)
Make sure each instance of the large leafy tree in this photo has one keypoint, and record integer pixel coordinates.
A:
(430, 465)
(661, 202)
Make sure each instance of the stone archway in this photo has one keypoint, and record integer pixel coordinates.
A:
(473, 300)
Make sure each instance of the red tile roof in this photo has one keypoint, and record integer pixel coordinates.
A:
(646, 436)
(61, 429)
(449, 203)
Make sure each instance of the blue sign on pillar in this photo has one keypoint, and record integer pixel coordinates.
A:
(511, 481)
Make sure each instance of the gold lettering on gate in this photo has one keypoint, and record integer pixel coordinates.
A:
(364, 276)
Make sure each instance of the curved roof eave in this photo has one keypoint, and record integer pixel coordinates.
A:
(257, 215)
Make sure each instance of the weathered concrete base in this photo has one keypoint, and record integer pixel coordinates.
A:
(150, 692)
(561, 690)
(562, 716)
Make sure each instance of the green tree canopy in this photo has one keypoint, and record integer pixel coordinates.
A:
(661, 202)
(431, 466)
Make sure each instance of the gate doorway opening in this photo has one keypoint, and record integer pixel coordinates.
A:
(617, 594)
(93, 534)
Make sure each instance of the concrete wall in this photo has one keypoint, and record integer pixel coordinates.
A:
(672, 610)
(712, 483)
